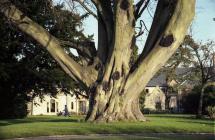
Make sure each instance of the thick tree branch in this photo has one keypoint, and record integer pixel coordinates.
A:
(139, 11)
(124, 34)
(162, 15)
(105, 28)
(26, 25)
(86, 49)
(164, 46)
(138, 6)
(102, 40)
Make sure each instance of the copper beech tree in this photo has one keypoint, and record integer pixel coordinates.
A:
(112, 83)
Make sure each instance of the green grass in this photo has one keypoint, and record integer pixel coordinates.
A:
(53, 125)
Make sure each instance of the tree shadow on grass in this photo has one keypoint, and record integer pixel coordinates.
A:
(36, 120)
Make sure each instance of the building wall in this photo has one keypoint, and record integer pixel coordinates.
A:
(157, 94)
(173, 103)
(154, 96)
(44, 106)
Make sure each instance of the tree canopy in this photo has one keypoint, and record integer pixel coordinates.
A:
(26, 70)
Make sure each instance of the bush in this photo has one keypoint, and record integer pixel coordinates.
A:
(12, 106)
(211, 111)
(190, 101)
(142, 100)
(151, 111)
(146, 111)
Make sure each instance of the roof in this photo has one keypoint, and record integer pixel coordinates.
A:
(161, 79)
(158, 80)
(182, 71)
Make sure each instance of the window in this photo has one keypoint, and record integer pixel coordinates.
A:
(147, 90)
(158, 106)
(164, 90)
(72, 105)
(82, 106)
(47, 107)
(52, 105)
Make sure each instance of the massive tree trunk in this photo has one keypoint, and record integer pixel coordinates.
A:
(114, 85)
(115, 96)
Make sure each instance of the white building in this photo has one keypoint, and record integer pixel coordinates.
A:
(155, 99)
(53, 105)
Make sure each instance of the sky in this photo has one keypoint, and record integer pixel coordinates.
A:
(203, 26)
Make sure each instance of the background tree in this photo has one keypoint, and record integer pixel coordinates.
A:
(114, 84)
(27, 71)
(203, 64)
(192, 63)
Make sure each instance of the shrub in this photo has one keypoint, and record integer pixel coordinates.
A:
(12, 106)
(142, 100)
(190, 101)
(211, 111)
(153, 111)
(146, 111)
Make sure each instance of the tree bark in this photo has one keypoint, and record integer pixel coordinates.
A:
(174, 32)
(117, 103)
(109, 107)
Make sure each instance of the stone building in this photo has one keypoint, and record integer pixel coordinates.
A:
(159, 95)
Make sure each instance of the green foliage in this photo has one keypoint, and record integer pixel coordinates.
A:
(26, 67)
(134, 55)
(142, 100)
(202, 59)
(194, 56)
(211, 111)
(190, 100)
(209, 97)
(196, 59)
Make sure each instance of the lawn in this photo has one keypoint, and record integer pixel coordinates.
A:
(53, 125)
